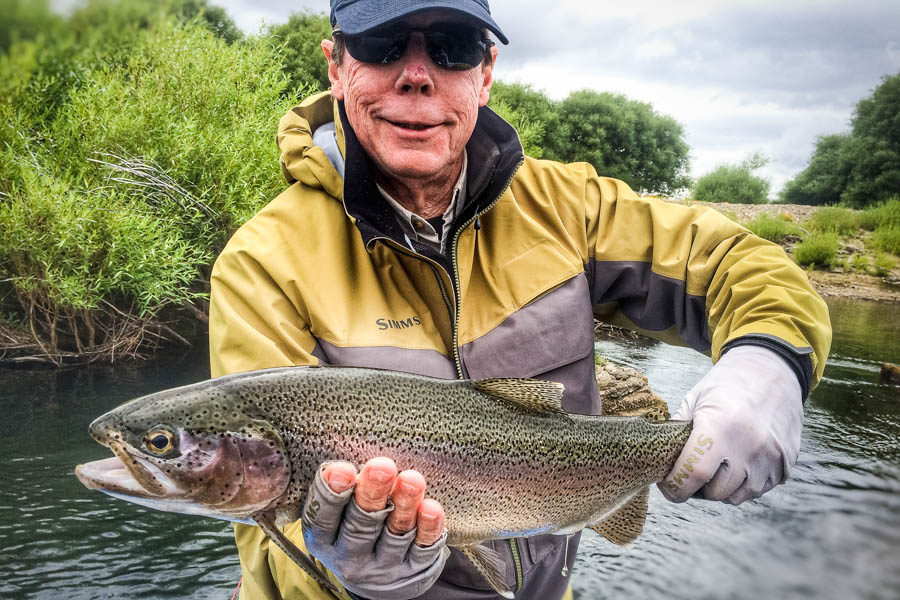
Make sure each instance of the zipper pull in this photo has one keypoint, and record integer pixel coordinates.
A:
(565, 569)
(477, 223)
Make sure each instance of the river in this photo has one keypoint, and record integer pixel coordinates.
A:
(833, 531)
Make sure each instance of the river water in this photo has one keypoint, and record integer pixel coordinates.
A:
(833, 531)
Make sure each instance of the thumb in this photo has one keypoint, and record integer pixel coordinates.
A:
(685, 411)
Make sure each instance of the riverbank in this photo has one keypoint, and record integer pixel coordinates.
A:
(834, 283)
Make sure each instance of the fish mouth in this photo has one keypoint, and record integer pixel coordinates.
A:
(126, 474)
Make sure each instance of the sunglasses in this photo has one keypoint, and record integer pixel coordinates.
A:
(452, 46)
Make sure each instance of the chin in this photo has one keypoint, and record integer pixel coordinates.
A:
(415, 166)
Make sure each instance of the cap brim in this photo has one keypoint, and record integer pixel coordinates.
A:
(359, 17)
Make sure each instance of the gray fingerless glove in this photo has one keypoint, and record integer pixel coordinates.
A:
(364, 555)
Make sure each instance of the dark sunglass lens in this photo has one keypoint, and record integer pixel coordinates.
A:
(380, 48)
(456, 47)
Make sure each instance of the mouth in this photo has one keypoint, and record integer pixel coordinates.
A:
(413, 125)
(127, 475)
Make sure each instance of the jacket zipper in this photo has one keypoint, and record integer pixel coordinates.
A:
(517, 562)
(457, 355)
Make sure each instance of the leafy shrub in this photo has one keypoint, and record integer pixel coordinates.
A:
(772, 228)
(887, 238)
(833, 219)
(114, 202)
(301, 53)
(735, 184)
(817, 250)
(859, 263)
(884, 263)
(885, 214)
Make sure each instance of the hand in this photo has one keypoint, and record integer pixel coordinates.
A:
(376, 550)
(747, 413)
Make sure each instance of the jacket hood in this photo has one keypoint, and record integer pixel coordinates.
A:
(301, 159)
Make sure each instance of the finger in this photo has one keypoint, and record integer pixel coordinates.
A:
(407, 494)
(723, 484)
(684, 412)
(374, 484)
(696, 465)
(430, 520)
(754, 485)
(340, 476)
(324, 506)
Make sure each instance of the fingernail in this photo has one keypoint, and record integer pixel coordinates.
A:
(339, 481)
(428, 518)
(379, 476)
(408, 489)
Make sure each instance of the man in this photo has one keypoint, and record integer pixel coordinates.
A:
(415, 236)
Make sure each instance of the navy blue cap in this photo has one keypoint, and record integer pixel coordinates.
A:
(359, 16)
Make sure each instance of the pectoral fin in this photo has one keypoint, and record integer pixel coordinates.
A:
(490, 565)
(626, 523)
(294, 553)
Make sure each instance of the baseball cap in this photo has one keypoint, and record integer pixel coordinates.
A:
(359, 16)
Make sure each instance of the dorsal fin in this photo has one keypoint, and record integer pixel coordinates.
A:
(532, 395)
(490, 565)
(626, 523)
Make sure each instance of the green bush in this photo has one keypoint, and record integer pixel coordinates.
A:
(887, 238)
(884, 263)
(841, 221)
(301, 54)
(859, 263)
(735, 184)
(773, 228)
(885, 214)
(817, 250)
(121, 180)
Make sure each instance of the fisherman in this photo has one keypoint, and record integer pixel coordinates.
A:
(415, 236)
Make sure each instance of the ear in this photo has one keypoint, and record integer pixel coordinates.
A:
(487, 78)
(337, 90)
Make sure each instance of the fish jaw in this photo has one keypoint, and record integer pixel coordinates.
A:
(112, 478)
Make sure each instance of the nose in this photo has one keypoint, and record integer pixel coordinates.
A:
(416, 74)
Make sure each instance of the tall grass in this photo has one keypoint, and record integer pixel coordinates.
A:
(773, 228)
(887, 238)
(886, 214)
(817, 250)
(833, 219)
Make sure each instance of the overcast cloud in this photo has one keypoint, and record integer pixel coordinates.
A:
(740, 76)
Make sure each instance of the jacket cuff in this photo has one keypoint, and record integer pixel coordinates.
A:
(797, 358)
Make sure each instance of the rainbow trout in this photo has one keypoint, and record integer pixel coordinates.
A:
(501, 455)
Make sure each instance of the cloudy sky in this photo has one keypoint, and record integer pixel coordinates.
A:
(739, 75)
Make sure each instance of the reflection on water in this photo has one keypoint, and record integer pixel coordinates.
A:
(833, 531)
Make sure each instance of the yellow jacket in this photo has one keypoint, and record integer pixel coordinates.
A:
(324, 274)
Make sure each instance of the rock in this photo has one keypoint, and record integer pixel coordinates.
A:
(626, 393)
(889, 374)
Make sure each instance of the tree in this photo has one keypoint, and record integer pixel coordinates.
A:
(875, 148)
(215, 17)
(861, 168)
(735, 184)
(622, 138)
(301, 54)
(823, 181)
(529, 110)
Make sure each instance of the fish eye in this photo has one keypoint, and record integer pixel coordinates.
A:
(160, 441)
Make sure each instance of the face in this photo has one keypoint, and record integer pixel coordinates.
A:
(412, 117)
